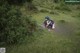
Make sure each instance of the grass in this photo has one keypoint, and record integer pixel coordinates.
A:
(54, 41)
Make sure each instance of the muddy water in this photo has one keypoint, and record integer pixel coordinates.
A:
(64, 29)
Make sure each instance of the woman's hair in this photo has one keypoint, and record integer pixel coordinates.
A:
(47, 18)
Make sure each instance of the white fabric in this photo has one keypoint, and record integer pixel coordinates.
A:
(48, 22)
(53, 26)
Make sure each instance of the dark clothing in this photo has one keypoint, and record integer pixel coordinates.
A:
(50, 25)
(45, 23)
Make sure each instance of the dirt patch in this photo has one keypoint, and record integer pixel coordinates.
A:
(64, 29)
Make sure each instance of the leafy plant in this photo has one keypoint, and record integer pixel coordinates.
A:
(43, 10)
(14, 27)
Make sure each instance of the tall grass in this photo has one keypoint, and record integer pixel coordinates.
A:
(62, 6)
(13, 25)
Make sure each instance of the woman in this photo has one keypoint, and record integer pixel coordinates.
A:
(48, 23)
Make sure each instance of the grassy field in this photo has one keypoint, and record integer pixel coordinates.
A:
(65, 38)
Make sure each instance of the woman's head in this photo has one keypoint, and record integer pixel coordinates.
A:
(47, 18)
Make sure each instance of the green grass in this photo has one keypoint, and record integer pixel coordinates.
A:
(64, 39)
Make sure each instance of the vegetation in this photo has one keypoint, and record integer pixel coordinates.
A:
(65, 38)
(21, 29)
(43, 10)
(14, 27)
